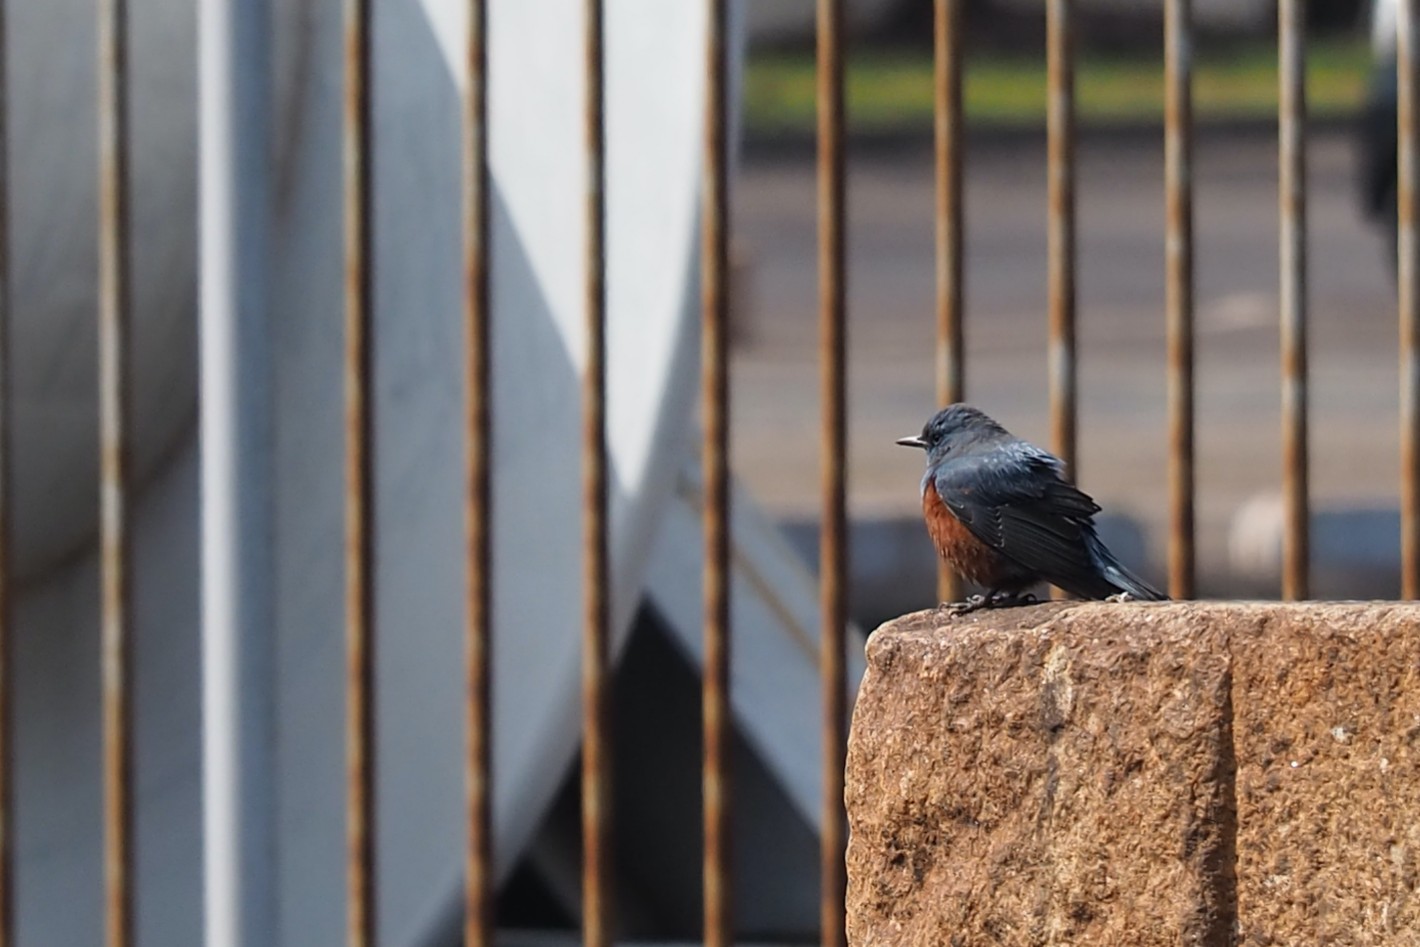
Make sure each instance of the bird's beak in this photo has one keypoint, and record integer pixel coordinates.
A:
(913, 441)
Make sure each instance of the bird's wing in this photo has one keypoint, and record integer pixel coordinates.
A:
(1012, 498)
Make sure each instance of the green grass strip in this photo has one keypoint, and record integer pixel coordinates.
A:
(894, 91)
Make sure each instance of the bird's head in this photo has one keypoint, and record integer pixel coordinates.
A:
(954, 427)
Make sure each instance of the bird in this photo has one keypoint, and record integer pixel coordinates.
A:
(1001, 513)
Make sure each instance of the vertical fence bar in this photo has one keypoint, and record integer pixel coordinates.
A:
(1291, 27)
(596, 652)
(1408, 167)
(478, 860)
(7, 924)
(715, 695)
(238, 658)
(1060, 121)
(7, 846)
(951, 374)
(359, 483)
(833, 554)
(1178, 172)
(114, 400)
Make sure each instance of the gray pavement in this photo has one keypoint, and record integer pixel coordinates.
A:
(1354, 377)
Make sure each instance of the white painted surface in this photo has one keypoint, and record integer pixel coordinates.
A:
(238, 638)
(775, 625)
(654, 76)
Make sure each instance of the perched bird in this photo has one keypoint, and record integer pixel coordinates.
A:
(1000, 514)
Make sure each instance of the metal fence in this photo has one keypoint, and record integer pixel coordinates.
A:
(115, 238)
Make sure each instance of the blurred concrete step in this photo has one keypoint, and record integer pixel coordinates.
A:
(1355, 548)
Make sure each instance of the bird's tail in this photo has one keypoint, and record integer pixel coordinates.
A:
(1111, 569)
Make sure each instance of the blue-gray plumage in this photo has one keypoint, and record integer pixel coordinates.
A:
(1000, 512)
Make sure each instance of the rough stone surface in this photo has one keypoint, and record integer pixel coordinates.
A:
(1080, 773)
(1328, 789)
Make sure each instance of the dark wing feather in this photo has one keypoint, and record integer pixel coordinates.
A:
(1012, 498)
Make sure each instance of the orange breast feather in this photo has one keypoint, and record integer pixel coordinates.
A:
(955, 543)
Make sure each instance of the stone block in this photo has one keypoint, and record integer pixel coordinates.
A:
(1138, 774)
(1327, 728)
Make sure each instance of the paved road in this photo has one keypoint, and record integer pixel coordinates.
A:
(1121, 325)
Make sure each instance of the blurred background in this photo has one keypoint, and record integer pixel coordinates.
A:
(655, 146)
(1123, 459)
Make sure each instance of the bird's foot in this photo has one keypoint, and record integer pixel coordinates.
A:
(970, 604)
(1120, 597)
(1011, 599)
(993, 600)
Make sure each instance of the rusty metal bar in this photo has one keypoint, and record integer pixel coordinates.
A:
(596, 651)
(833, 553)
(1408, 168)
(1291, 29)
(1060, 121)
(951, 373)
(115, 385)
(7, 831)
(1178, 172)
(478, 583)
(359, 482)
(715, 694)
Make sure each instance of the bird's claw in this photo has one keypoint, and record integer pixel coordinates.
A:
(1010, 599)
(1120, 597)
(994, 600)
(971, 604)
